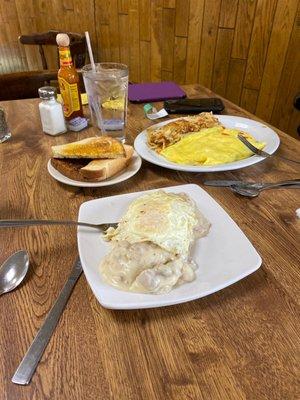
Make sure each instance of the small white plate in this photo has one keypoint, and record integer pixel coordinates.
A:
(132, 169)
(258, 130)
(224, 257)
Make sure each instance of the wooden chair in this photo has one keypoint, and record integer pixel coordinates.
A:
(77, 45)
(25, 85)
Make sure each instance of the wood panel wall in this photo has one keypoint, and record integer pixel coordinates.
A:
(245, 50)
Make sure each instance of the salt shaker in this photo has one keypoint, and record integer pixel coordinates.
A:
(51, 112)
(4, 131)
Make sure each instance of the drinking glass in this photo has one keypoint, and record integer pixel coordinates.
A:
(107, 89)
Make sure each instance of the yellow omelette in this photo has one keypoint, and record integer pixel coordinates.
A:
(211, 146)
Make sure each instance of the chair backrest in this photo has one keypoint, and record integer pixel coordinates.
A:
(24, 85)
(77, 45)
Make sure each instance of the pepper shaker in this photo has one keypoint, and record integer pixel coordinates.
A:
(4, 131)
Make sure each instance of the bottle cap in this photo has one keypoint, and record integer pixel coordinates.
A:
(47, 92)
(62, 39)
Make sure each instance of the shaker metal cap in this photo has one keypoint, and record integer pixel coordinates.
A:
(47, 92)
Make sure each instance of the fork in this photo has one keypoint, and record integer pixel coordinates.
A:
(259, 152)
(6, 223)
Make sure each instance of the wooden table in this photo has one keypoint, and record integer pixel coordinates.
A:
(240, 343)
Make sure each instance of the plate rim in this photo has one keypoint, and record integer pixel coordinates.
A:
(160, 161)
(168, 302)
(52, 171)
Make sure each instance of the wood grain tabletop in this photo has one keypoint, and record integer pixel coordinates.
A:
(239, 343)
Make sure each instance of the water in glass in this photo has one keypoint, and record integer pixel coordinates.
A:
(107, 89)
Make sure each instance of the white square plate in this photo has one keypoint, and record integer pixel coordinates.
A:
(224, 256)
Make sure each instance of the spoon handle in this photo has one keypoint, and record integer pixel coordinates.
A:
(288, 184)
(31, 359)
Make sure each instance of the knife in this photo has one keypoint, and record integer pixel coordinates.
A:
(222, 183)
(251, 185)
(31, 359)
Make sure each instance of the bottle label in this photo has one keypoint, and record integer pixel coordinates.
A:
(65, 58)
(70, 95)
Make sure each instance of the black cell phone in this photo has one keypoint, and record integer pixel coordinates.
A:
(194, 106)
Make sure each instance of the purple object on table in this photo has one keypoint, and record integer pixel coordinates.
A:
(145, 92)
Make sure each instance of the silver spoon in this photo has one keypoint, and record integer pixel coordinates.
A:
(245, 190)
(13, 271)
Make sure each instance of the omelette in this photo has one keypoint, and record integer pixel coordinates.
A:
(151, 244)
(211, 146)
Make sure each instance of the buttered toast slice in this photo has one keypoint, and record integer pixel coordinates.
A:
(93, 147)
(104, 169)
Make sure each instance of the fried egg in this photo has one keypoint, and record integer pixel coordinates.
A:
(150, 249)
(169, 220)
(211, 146)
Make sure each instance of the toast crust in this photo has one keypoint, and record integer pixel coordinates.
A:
(93, 148)
(70, 167)
(104, 169)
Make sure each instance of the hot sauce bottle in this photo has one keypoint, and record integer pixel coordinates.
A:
(68, 80)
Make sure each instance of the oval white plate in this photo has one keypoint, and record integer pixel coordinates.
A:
(258, 130)
(131, 170)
